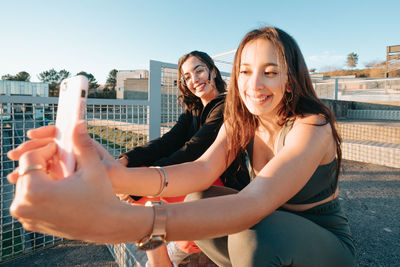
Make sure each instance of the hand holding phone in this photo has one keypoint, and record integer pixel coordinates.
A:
(71, 109)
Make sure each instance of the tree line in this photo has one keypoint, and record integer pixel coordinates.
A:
(54, 78)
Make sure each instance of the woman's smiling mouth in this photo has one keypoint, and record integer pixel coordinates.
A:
(259, 99)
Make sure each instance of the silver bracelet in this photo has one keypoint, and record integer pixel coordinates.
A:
(164, 181)
(161, 180)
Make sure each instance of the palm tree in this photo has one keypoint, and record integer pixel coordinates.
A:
(92, 80)
(53, 78)
(352, 60)
(112, 79)
(23, 76)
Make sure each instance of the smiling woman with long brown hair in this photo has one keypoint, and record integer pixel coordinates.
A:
(202, 94)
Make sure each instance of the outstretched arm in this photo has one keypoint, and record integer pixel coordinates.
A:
(143, 181)
(71, 207)
(140, 181)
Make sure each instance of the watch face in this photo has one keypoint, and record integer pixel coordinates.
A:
(153, 243)
(150, 244)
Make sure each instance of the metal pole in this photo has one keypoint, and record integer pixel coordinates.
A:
(336, 88)
(155, 99)
(387, 61)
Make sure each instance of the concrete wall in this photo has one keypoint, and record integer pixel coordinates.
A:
(123, 75)
(135, 88)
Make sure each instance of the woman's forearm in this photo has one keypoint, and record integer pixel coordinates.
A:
(213, 217)
(182, 179)
(127, 224)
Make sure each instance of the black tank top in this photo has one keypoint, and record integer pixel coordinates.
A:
(321, 184)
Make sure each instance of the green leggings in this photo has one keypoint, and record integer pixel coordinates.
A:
(317, 237)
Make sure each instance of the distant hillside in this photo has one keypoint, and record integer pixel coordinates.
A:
(376, 71)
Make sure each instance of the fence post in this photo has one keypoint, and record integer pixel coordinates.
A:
(336, 88)
(155, 100)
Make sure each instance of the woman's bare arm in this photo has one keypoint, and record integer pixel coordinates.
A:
(182, 178)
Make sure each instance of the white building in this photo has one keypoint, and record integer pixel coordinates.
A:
(11, 88)
(132, 84)
(18, 88)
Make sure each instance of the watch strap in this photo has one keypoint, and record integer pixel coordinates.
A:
(160, 220)
(158, 234)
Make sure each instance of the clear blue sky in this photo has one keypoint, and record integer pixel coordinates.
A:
(97, 36)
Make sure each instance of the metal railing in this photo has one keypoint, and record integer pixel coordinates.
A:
(352, 89)
(119, 125)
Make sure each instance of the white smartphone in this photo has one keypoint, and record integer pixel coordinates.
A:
(71, 109)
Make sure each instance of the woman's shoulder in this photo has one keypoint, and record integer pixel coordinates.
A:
(311, 119)
(309, 125)
(219, 100)
(215, 106)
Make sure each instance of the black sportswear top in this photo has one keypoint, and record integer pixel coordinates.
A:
(322, 183)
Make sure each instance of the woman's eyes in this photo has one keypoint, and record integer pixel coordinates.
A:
(270, 73)
(267, 73)
(197, 72)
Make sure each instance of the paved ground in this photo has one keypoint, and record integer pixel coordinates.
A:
(370, 195)
(371, 198)
(69, 253)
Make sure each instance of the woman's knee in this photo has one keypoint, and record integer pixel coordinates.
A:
(285, 239)
(262, 244)
(216, 249)
(249, 248)
(193, 196)
(213, 191)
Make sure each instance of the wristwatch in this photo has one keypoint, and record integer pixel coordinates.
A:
(159, 233)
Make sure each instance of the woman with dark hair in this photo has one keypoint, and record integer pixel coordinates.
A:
(288, 215)
(190, 96)
(203, 96)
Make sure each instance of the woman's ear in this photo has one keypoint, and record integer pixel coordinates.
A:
(213, 74)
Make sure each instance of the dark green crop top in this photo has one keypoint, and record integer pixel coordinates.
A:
(322, 183)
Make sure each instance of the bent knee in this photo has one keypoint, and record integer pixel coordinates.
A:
(213, 191)
(193, 196)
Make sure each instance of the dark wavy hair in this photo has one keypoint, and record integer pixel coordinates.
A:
(299, 99)
(187, 98)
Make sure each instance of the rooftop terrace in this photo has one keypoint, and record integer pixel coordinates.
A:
(369, 186)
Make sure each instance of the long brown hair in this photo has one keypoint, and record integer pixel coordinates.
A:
(189, 100)
(299, 98)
